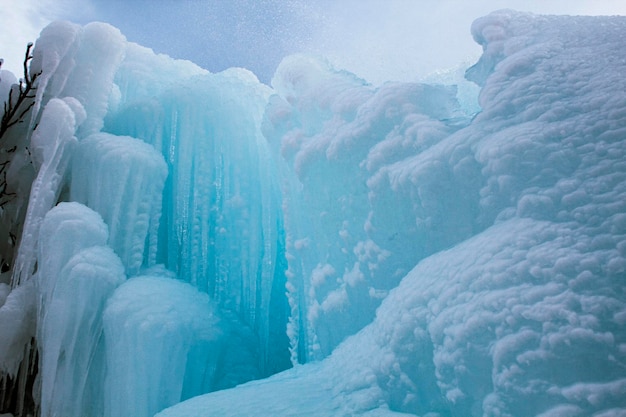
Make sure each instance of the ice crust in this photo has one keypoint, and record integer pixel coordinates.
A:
(408, 256)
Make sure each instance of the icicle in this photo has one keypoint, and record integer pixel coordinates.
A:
(121, 178)
(52, 143)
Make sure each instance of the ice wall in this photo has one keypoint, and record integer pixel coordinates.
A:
(516, 222)
(419, 258)
(221, 228)
(350, 239)
(112, 121)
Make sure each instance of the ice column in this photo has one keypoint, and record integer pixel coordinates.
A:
(161, 345)
(52, 145)
(86, 89)
(76, 275)
(122, 179)
(221, 214)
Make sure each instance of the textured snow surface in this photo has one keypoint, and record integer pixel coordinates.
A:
(333, 133)
(408, 255)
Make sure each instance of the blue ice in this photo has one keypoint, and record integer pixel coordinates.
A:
(322, 246)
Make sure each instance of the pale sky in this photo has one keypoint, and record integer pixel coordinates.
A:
(378, 40)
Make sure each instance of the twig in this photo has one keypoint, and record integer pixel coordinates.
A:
(12, 112)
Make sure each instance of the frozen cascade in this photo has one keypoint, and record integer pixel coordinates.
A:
(21, 172)
(83, 106)
(419, 259)
(162, 339)
(52, 145)
(122, 179)
(516, 221)
(221, 223)
(76, 277)
(212, 232)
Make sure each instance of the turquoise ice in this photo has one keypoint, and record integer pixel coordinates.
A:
(321, 246)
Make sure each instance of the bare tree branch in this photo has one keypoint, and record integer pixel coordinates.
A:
(13, 112)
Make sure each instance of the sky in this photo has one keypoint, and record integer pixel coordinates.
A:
(379, 40)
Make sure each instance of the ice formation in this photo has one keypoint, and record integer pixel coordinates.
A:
(152, 319)
(122, 179)
(406, 255)
(77, 273)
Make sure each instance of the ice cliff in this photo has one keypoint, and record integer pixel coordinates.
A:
(188, 232)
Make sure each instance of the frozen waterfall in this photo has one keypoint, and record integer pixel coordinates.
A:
(198, 244)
